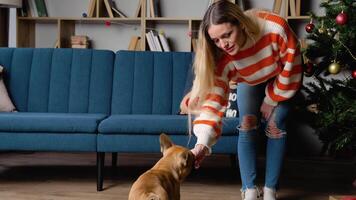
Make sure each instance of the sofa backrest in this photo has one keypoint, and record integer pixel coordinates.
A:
(149, 82)
(59, 80)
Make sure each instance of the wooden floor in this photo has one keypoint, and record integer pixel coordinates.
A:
(72, 176)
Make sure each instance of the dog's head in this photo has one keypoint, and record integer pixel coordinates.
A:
(182, 158)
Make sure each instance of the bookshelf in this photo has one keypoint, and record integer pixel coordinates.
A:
(3, 27)
(179, 21)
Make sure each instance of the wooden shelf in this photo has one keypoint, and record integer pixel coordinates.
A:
(175, 27)
(298, 17)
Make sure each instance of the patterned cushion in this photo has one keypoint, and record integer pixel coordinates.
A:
(6, 104)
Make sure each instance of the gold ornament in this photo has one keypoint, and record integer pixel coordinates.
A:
(321, 30)
(334, 68)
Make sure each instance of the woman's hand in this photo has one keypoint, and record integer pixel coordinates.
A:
(266, 110)
(200, 151)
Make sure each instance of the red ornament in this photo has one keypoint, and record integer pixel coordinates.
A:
(309, 27)
(353, 74)
(309, 69)
(190, 34)
(107, 23)
(341, 18)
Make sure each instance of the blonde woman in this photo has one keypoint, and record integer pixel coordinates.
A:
(258, 50)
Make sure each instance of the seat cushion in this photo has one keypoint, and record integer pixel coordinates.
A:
(50, 122)
(155, 124)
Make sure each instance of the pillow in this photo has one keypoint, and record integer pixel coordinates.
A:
(6, 104)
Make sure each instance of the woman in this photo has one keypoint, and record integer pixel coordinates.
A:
(258, 50)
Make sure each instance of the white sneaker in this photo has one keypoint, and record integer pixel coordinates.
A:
(251, 194)
(269, 194)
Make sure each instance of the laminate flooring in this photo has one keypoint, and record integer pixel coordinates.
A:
(72, 176)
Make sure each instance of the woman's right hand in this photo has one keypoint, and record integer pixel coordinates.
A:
(200, 151)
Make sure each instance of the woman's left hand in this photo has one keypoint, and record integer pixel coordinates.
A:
(266, 110)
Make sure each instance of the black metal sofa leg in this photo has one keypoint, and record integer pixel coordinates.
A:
(100, 160)
(114, 159)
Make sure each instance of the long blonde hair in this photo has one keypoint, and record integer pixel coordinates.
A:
(208, 54)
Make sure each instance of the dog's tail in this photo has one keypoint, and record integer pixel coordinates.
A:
(152, 196)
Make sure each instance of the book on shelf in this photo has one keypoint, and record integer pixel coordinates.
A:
(91, 9)
(154, 8)
(25, 10)
(41, 8)
(32, 8)
(241, 3)
(157, 41)
(115, 8)
(164, 41)
(138, 9)
(292, 8)
(108, 6)
(80, 41)
(133, 43)
(80, 46)
(138, 45)
(150, 41)
(277, 5)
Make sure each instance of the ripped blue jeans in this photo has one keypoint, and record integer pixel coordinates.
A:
(249, 101)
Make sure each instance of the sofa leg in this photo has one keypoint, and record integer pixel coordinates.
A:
(114, 159)
(100, 160)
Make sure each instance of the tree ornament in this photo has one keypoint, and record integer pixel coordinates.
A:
(334, 68)
(309, 27)
(341, 18)
(107, 23)
(322, 29)
(309, 69)
(353, 74)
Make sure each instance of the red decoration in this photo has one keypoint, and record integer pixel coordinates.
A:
(107, 23)
(353, 73)
(189, 33)
(309, 27)
(309, 69)
(341, 18)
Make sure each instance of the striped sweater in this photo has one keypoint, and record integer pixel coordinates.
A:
(273, 58)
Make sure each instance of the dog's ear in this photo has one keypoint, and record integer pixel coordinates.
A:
(185, 164)
(165, 142)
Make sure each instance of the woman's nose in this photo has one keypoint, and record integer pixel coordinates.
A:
(223, 43)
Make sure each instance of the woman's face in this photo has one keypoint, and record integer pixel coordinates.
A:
(227, 37)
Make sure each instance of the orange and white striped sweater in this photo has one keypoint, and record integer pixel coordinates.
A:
(274, 58)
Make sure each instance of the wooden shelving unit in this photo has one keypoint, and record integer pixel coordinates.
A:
(3, 27)
(66, 27)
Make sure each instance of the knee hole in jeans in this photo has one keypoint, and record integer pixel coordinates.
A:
(272, 131)
(249, 122)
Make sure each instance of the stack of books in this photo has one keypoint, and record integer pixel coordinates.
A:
(157, 41)
(80, 41)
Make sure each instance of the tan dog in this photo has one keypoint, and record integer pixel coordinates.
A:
(162, 181)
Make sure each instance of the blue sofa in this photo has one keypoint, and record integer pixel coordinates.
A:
(97, 101)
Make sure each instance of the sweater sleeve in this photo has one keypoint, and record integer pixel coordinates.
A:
(208, 125)
(288, 81)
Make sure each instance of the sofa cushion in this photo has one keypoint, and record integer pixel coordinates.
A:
(59, 80)
(149, 82)
(50, 122)
(154, 124)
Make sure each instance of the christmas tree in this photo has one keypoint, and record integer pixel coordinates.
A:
(331, 102)
(334, 39)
